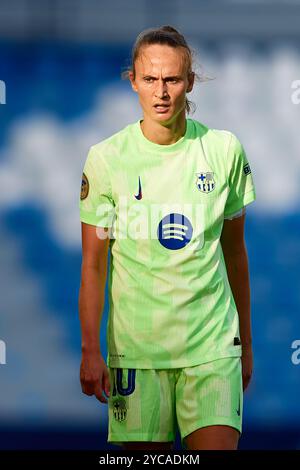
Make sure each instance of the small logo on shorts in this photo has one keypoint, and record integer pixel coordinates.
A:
(236, 341)
(239, 408)
(119, 409)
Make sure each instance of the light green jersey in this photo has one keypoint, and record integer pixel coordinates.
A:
(170, 301)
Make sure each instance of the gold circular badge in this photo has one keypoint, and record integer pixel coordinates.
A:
(84, 187)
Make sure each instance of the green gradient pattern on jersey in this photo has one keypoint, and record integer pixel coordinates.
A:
(171, 304)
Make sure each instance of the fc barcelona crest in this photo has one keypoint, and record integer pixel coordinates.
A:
(205, 181)
(119, 409)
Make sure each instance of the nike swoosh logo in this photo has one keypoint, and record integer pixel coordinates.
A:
(139, 196)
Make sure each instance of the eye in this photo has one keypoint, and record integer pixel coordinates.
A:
(173, 80)
(148, 79)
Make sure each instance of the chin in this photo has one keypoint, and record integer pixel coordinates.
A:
(169, 116)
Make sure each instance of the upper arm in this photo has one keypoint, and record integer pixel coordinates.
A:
(240, 179)
(95, 245)
(96, 204)
(232, 236)
(96, 208)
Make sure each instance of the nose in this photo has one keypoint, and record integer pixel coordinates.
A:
(161, 89)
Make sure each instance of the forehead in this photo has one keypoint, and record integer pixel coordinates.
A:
(159, 58)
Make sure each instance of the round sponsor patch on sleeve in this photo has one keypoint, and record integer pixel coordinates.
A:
(84, 187)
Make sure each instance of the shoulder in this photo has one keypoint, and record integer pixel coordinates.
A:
(112, 145)
(220, 139)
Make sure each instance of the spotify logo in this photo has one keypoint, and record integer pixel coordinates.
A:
(174, 231)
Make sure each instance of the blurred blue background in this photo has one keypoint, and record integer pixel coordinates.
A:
(61, 63)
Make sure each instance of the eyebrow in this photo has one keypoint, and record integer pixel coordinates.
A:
(166, 78)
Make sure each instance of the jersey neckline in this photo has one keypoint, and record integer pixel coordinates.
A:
(159, 147)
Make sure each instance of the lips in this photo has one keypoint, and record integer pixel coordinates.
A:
(161, 107)
(164, 105)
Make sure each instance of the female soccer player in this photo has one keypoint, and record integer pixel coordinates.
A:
(167, 195)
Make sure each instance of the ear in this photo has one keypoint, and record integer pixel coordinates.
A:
(191, 80)
(132, 81)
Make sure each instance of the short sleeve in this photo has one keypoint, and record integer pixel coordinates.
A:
(236, 214)
(96, 205)
(240, 179)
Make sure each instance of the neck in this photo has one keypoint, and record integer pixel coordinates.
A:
(164, 134)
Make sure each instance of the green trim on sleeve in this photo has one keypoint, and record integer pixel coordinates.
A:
(92, 219)
(247, 198)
